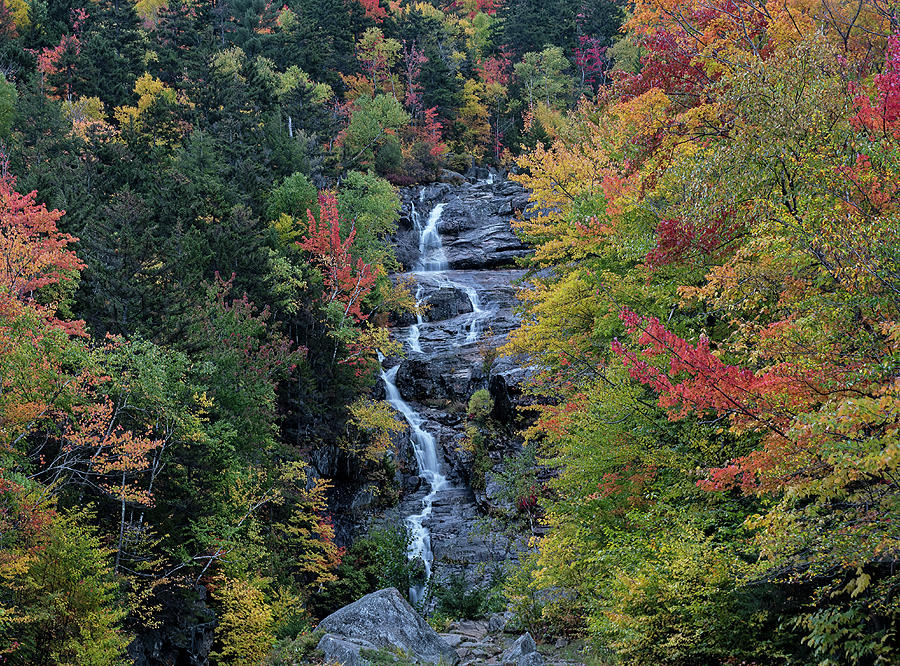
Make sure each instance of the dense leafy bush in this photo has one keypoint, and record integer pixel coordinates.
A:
(374, 562)
(458, 599)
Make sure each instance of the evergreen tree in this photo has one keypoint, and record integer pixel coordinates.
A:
(112, 53)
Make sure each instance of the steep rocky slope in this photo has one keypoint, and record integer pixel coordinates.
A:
(460, 250)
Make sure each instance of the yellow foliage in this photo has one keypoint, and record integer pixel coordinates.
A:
(150, 90)
(149, 10)
(19, 10)
(245, 623)
(379, 423)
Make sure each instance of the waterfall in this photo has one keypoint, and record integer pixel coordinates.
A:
(452, 271)
(431, 259)
(431, 248)
(413, 339)
(477, 313)
(431, 270)
(426, 457)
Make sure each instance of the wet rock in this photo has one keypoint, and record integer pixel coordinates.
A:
(475, 224)
(363, 499)
(418, 571)
(504, 411)
(412, 483)
(384, 619)
(406, 247)
(449, 356)
(446, 303)
(493, 499)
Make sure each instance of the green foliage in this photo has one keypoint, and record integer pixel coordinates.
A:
(481, 404)
(8, 96)
(847, 634)
(479, 429)
(518, 479)
(62, 603)
(530, 25)
(372, 207)
(374, 562)
(385, 656)
(675, 602)
(374, 121)
(293, 197)
(457, 598)
(295, 651)
(543, 77)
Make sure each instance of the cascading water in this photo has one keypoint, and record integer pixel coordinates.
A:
(431, 259)
(431, 267)
(431, 248)
(477, 313)
(414, 330)
(426, 457)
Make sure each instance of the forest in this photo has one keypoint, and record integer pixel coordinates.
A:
(202, 206)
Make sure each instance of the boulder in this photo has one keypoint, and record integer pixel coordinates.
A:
(340, 651)
(453, 640)
(447, 303)
(418, 571)
(497, 622)
(531, 659)
(451, 177)
(385, 620)
(522, 653)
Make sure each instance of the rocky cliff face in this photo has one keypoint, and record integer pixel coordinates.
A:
(467, 287)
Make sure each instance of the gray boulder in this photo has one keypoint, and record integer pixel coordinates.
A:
(497, 622)
(339, 651)
(531, 659)
(523, 653)
(447, 303)
(384, 620)
(451, 177)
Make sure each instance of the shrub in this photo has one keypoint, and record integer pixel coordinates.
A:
(458, 599)
(296, 651)
(245, 631)
(481, 404)
(374, 562)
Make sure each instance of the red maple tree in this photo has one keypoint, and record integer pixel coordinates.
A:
(347, 279)
(33, 252)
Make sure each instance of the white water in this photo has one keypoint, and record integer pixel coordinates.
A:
(432, 261)
(477, 313)
(431, 248)
(426, 457)
(413, 340)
